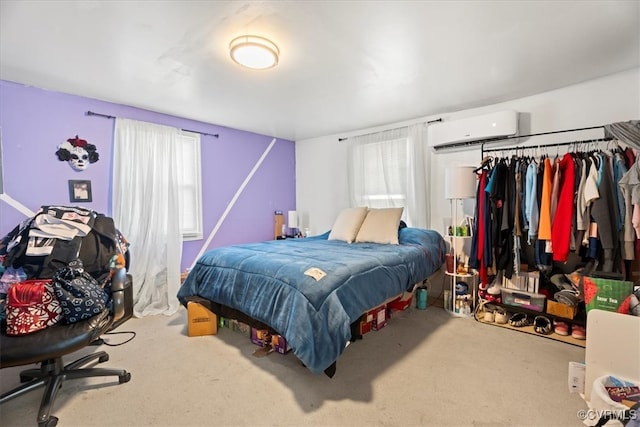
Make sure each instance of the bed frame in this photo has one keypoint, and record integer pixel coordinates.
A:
(222, 310)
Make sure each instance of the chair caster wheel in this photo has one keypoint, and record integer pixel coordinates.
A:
(124, 378)
(51, 422)
(103, 358)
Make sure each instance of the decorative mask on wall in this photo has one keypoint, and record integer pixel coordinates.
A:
(78, 152)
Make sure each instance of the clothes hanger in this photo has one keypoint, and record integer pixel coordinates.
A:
(486, 162)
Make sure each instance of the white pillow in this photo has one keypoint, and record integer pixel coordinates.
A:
(347, 224)
(380, 226)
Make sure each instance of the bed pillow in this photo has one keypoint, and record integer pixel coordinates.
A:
(380, 226)
(347, 224)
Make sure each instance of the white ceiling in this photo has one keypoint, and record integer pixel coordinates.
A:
(344, 65)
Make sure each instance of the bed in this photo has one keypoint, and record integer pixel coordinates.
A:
(313, 290)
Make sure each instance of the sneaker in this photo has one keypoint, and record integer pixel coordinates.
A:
(494, 289)
(560, 328)
(500, 317)
(579, 332)
(489, 316)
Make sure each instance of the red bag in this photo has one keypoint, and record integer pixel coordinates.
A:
(31, 306)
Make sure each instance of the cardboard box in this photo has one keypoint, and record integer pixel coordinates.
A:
(365, 326)
(263, 338)
(279, 344)
(201, 320)
(380, 317)
(260, 337)
(402, 302)
(607, 294)
(366, 323)
(561, 310)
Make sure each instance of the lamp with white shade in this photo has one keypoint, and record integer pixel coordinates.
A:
(459, 184)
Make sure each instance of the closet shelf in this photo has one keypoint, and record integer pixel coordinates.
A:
(462, 275)
(529, 330)
(580, 319)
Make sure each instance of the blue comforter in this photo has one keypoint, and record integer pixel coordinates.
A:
(267, 282)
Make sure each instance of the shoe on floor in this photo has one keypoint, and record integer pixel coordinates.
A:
(519, 320)
(489, 316)
(501, 317)
(561, 328)
(579, 332)
(542, 325)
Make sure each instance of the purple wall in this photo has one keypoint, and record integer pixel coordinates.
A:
(35, 121)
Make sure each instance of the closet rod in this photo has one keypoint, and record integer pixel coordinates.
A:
(507, 138)
(557, 144)
(481, 142)
(106, 116)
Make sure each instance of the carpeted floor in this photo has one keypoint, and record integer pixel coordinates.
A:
(424, 368)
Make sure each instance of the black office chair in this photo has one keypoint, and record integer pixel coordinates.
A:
(48, 346)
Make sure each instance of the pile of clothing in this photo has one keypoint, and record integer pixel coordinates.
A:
(71, 245)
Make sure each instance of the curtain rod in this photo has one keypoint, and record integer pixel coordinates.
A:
(106, 116)
(508, 138)
(371, 133)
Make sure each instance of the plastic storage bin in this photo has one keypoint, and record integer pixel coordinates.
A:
(523, 299)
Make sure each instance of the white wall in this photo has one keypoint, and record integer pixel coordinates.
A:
(321, 169)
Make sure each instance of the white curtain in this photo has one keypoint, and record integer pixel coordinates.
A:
(387, 169)
(420, 161)
(146, 209)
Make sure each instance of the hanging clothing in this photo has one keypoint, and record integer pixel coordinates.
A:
(604, 213)
(561, 226)
(496, 194)
(544, 229)
(517, 223)
(480, 252)
(630, 187)
(587, 202)
(532, 211)
(581, 203)
(504, 253)
(619, 169)
(543, 244)
(628, 231)
(555, 187)
(628, 132)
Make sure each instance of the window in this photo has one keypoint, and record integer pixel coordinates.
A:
(384, 174)
(190, 183)
(387, 169)
(379, 167)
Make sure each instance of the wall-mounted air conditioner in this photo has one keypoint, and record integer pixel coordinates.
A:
(461, 132)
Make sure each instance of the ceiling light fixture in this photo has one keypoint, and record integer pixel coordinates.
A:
(254, 52)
